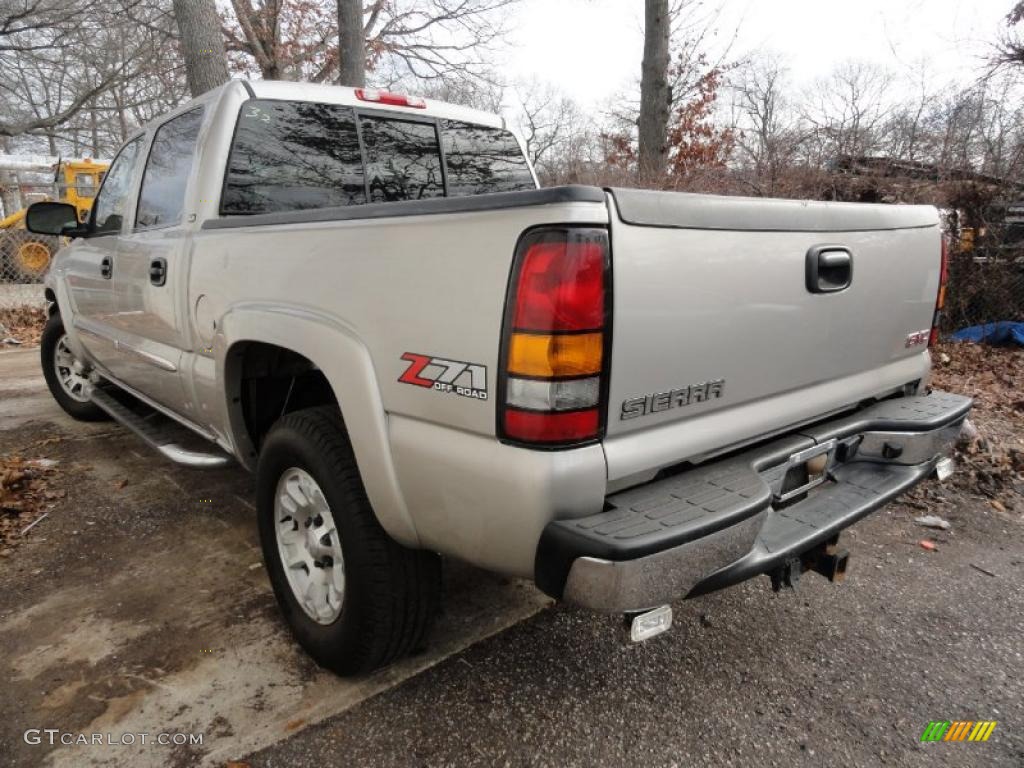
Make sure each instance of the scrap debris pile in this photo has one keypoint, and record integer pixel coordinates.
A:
(990, 455)
(21, 325)
(24, 496)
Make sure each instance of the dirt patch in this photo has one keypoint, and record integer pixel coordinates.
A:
(21, 326)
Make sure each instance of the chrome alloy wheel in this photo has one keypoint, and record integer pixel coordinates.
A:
(70, 372)
(309, 547)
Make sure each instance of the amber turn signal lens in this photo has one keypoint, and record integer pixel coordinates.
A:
(552, 356)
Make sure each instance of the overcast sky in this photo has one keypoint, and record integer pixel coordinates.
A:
(592, 48)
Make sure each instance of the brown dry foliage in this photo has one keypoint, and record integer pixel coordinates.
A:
(24, 324)
(992, 463)
(23, 495)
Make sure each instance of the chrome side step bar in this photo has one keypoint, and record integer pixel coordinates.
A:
(159, 431)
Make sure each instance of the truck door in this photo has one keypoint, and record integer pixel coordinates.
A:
(91, 262)
(151, 281)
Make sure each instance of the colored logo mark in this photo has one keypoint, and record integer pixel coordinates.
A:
(958, 730)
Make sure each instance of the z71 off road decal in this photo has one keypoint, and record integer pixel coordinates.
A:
(466, 379)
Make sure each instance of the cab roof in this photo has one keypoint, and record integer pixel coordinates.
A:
(340, 94)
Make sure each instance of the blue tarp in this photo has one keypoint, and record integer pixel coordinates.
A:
(1003, 332)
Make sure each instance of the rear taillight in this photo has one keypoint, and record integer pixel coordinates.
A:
(940, 299)
(555, 343)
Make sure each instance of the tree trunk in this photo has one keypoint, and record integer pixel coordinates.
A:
(202, 44)
(654, 91)
(351, 44)
(94, 125)
(8, 192)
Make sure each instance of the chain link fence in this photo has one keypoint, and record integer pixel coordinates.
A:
(24, 259)
(985, 286)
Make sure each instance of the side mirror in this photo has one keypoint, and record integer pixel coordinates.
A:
(60, 219)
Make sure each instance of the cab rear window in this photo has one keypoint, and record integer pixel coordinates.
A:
(288, 156)
(403, 159)
(482, 159)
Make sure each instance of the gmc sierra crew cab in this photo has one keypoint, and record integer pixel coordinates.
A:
(627, 396)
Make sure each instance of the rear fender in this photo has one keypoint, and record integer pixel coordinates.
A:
(336, 349)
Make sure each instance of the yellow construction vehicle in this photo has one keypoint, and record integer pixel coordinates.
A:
(25, 257)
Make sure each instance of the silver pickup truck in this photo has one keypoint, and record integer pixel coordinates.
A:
(627, 396)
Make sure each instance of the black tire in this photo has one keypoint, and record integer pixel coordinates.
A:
(391, 592)
(53, 331)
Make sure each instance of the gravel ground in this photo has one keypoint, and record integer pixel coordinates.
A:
(109, 606)
(827, 675)
(137, 603)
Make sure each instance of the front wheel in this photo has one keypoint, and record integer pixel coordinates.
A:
(66, 376)
(354, 598)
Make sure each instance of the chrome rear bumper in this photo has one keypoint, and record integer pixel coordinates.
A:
(715, 525)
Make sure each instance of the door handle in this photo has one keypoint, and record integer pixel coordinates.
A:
(107, 267)
(829, 268)
(158, 272)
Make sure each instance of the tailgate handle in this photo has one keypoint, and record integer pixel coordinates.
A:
(829, 268)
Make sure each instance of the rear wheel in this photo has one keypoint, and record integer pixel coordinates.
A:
(354, 598)
(65, 375)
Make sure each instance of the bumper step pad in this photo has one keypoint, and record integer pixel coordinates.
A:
(690, 505)
(651, 518)
(860, 489)
(685, 508)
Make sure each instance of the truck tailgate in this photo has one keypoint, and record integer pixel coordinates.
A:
(719, 336)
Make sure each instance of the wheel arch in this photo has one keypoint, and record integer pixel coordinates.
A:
(333, 350)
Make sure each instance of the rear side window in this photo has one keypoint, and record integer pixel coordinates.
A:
(289, 156)
(403, 159)
(162, 198)
(482, 159)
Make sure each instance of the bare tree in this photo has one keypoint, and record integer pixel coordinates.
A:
(908, 134)
(260, 37)
(1009, 50)
(561, 138)
(848, 110)
(766, 134)
(37, 38)
(283, 39)
(202, 44)
(352, 44)
(434, 39)
(402, 41)
(77, 76)
(485, 94)
(655, 97)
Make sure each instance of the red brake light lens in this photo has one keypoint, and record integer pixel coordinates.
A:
(561, 286)
(544, 427)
